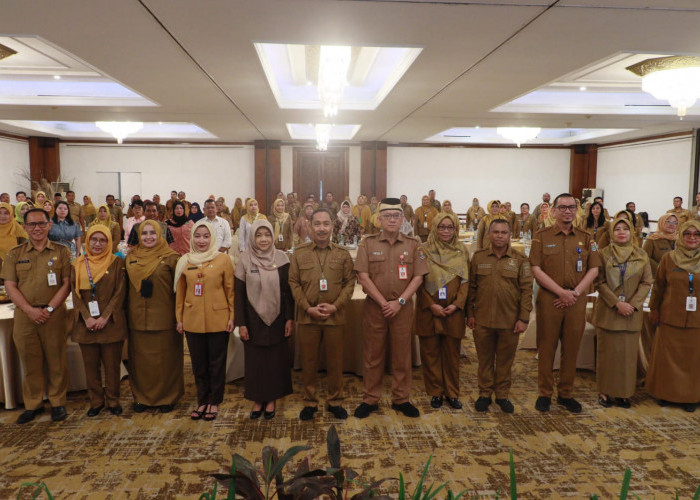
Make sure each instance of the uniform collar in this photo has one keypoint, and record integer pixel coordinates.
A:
(313, 246)
(508, 252)
(49, 244)
(557, 230)
(384, 237)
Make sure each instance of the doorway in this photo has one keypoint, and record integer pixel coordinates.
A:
(319, 172)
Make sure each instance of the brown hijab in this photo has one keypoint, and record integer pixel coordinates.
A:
(142, 261)
(660, 234)
(684, 257)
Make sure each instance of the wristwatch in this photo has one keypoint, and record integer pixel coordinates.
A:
(402, 301)
(49, 309)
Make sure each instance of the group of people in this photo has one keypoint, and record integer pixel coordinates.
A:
(184, 274)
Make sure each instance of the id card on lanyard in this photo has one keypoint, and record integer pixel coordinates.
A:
(442, 293)
(93, 305)
(579, 261)
(199, 286)
(403, 268)
(623, 270)
(51, 276)
(691, 302)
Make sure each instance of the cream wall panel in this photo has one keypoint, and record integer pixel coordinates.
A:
(14, 166)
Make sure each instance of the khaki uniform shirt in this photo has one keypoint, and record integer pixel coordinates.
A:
(378, 257)
(474, 215)
(157, 312)
(408, 213)
(669, 294)
(696, 212)
(500, 289)
(557, 255)
(437, 205)
(117, 215)
(76, 210)
(30, 268)
(681, 214)
(423, 215)
(530, 224)
(656, 249)
(308, 265)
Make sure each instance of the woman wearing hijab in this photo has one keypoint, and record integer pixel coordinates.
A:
(20, 209)
(48, 208)
(346, 228)
(673, 369)
(196, 213)
(11, 233)
(440, 310)
(155, 346)
(180, 228)
(482, 239)
(447, 207)
(264, 316)
(623, 285)
(282, 223)
(89, 210)
(65, 230)
(98, 283)
(39, 199)
(252, 213)
(204, 314)
(596, 224)
(302, 227)
(104, 218)
(237, 213)
(662, 241)
(544, 219)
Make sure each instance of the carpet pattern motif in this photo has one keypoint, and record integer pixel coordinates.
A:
(557, 455)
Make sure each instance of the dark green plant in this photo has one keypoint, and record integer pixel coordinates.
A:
(39, 488)
(513, 482)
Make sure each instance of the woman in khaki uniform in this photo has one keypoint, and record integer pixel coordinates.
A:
(623, 285)
(98, 284)
(673, 370)
(440, 310)
(662, 241)
(596, 225)
(282, 223)
(494, 208)
(424, 216)
(11, 233)
(104, 218)
(204, 313)
(605, 237)
(155, 347)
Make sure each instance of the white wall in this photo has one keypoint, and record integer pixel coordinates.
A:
(650, 174)
(460, 174)
(226, 171)
(14, 166)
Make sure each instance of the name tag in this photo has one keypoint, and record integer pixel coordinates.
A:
(622, 298)
(52, 279)
(579, 266)
(198, 289)
(280, 237)
(442, 293)
(691, 304)
(94, 308)
(323, 284)
(425, 224)
(403, 272)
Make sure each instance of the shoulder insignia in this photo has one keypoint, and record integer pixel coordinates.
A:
(421, 253)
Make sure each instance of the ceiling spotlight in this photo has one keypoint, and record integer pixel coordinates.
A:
(56, 77)
(478, 126)
(675, 79)
(582, 88)
(119, 130)
(323, 135)
(519, 135)
(332, 77)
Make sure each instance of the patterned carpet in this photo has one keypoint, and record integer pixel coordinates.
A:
(150, 455)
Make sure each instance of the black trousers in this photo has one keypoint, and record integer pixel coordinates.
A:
(208, 354)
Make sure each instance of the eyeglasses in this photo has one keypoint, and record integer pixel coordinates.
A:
(446, 228)
(693, 234)
(392, 216)
(32, 225)
(566, 208)
(672, 223)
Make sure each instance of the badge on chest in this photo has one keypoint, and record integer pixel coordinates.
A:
(199, 286)
(442, 293)
(51, 276)
(403, 268)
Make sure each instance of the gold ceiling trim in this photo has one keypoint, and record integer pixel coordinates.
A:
(648, 66)
(6, 51)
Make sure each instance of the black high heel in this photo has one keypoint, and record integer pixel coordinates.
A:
(270, 414)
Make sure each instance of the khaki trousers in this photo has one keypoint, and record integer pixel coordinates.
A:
(95, 357)
(554, 325)
(309, 344)
(495, 349)
(42, 347)
(377, 331)
(439, 355)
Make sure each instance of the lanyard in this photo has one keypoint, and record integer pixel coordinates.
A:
(690, 284)
(623, 270)
(321, 265)
(92, 285)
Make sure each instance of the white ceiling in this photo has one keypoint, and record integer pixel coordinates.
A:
(196, 61)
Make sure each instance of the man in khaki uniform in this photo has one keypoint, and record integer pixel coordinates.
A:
(330, 204)
(76, 209)
(169, 205)
(407, 209)
(390, 267)
(498, 311)
(631, 207)
(159, 207)
(322, 280)
(424, 218)
(565, 263)
(433, 201)
(546, 197)
(115, 212)
(681, 213)
(37, 280)
(696, 208)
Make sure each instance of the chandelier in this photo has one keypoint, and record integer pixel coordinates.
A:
(332, 77)
(675, 79)
(519, 135)
(119, 130)
(323, 135)
(6, 51)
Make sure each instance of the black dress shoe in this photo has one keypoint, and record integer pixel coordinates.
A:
(689, 407)
(543, 403)
(307, 413)
(93, 412)
(436, 401)
(256, 414)
(166, 408)
(482, 404)
(407, 409)
(604, 401)
(570, 404)
(58, 413)
(623, 402)
(28, 415)
(338, 412)
(364, 410)
(454, 403)
(116, 410)
(140, 408)
(663, 402)
(269, 415)
(505, 405)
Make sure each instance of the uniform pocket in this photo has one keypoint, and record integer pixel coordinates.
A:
(220, 305)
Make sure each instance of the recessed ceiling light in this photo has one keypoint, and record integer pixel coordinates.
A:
(56, 77)
(582, 89)
(478, 126)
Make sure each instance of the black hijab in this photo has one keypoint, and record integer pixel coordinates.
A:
(195, 217)
(178, 220)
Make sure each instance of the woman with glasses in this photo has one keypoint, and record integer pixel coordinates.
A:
(662, 241)
(623, 284)
(65, 230)
(673, 374)
(440, 310)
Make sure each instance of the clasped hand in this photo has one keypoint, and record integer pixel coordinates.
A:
(566, 298)
(442, 312)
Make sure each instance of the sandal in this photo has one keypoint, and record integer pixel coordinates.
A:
(211, 415)
(198, 413)
(604, 401)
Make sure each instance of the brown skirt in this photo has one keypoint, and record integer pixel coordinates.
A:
(616, 364)
(674, 370)
(156, 366)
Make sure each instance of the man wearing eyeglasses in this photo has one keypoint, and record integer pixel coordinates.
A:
(390, 267)
(37, 280)
(564, 262)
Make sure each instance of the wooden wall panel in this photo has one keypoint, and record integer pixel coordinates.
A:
(268, 172)
(373, 169)
(44, 158)
(583, 168)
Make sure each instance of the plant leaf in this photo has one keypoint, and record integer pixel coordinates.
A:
(697, 494)
(247, 469)
(513, 482)
(367, 492)
(333, 442)
(243, 485)
(419, 488)
(288, 455)
(402, 488)
(270, 456)
(434, 493)
(625, 484)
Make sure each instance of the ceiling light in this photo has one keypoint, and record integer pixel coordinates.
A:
(519, 135)
(56, 77)
(582, 89)
(323, 135)
(332, 76)
(675, 79)
(119, 130)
